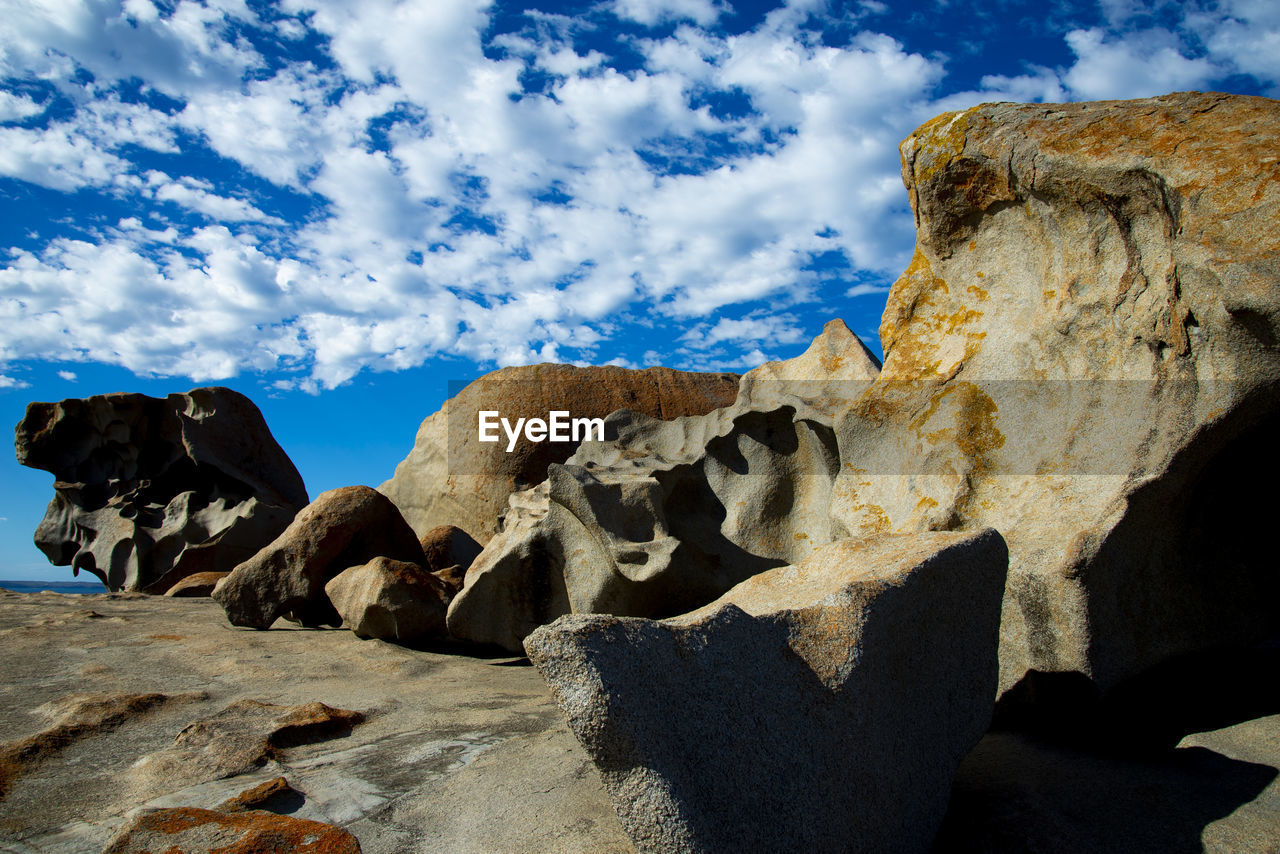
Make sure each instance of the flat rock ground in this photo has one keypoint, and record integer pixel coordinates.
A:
(469, 754)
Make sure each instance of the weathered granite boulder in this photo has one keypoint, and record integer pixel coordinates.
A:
(671, 514)
(818, 707)
(151, 490)
(451, 478)
(390, 600)
(1082, 355)
(446, 546)
(341, 528)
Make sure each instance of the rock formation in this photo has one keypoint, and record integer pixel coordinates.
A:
(818, 707)
(149, 491)
(342, 528)
(1082, 355)
(671, 514)
(451, 478)
(197, 584)
(446, 546)
(390, 600)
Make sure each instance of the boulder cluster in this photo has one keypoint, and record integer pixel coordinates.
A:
(778, 610)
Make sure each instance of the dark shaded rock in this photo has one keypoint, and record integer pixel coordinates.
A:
(453, 577)
(818, 707)
(448, 545)
(391, 600)
(199, 584)
(189, 830)
(342, 528)
(151, 490)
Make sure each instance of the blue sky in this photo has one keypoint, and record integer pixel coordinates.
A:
(339, 207)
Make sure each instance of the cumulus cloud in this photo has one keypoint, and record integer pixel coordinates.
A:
(408, 184)
(69, 376)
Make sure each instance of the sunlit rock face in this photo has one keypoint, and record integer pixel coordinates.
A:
(1084, 354)
(152, 490)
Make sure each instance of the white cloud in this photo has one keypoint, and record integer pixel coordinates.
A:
(10, 382)
(17, 107)
(652, 12)
(1137, 65)
(69, 376)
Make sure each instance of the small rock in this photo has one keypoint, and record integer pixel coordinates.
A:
(275, 795)
(342, 528)
(391, 600)
(199, 584)
(188, 830)
(449, 545)
(812, 708)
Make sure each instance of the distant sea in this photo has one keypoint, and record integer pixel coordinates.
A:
(24, 586)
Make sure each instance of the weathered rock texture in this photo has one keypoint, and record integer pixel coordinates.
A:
(190, 830)
(672, 514)
(819, 707)
(342, 528)
(391, 600)
(243, 737)
(1084, 354)
(197, 584)
(149, 491)
(451, 478)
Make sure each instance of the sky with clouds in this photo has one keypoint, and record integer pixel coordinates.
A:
(317, 200)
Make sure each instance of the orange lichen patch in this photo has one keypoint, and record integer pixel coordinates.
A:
(831, 363)
(84, 715)
(973, 430)
(1050, 294)
(978, 292)
(913, 289)
(926, 503)
(189, 829)
(938, 142)
(801, 535)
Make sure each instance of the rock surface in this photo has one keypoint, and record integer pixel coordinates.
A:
(151, 490)
(1082, 355)
(342, 528)
(457, 754)
(463, 755)
(390, 600)
(451, 478)
(820, 707)
(189, 830)
(672, 514)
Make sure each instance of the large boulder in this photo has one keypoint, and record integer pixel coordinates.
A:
(818, 707)
(1082, 355)
(452, 478)
(342, 528)
(152, 490)
(671, 514)
(391, 600)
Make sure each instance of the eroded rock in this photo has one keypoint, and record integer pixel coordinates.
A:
(451, 478)
(198, 584)
(446, 546)
(151, 490)
(342, 528)
(391, 600)
(818, 707)
(671, 514)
